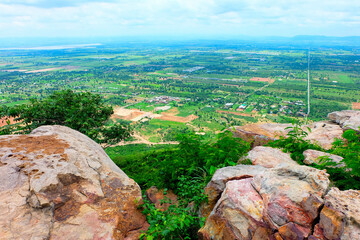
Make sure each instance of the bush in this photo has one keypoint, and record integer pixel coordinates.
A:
(295, 143)
(84, 112)
(184, 169)
(348, 176)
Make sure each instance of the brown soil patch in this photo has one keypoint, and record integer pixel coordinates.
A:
(257, 79)
(178, 119)
(235, 113)
(130, 116)
(356, 106)
(4, 119)
(171, 112)
(43, 70)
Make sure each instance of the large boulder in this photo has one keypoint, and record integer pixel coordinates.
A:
(274, 200)
(262, 203)
(268, 157)
(348, 119)
(56, 183)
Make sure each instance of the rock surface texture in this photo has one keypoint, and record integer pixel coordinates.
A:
(268, 157)
(286, 202)
(260, 134)
(57, 183)
(314, 156)
(348, 119)
(322, 133)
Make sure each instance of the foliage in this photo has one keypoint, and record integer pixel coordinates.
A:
(192, 157)
(344, 175)
(85, 112)
(178, 221)
(295, 142)
(347, 175)
(185, 169)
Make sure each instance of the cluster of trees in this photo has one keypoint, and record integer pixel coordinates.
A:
(83, 111)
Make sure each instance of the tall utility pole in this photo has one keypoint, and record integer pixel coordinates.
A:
(308, 84)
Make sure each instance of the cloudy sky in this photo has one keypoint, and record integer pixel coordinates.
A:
(187, 18)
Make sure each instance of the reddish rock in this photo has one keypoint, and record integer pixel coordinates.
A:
(318, 233)
(157, 197)
(292, 231)
(340, 217)
(276, 203)
(239, 203)
(218, 183)
(57, 183)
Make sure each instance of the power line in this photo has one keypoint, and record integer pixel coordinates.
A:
(308, 84)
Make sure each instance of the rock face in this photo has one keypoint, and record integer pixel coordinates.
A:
(57, 183)
(340, 217)
(322, 133)
(260, 134)
(286, 202)
(348, 119)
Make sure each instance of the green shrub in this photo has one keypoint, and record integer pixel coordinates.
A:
(347, 176)
(295, 143)
(185, 169)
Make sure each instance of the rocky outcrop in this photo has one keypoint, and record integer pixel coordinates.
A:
(268, 157)
(322, 133)
(314, 156)
(57, 183)
(340, 217)
(260, 134)
(348, 119)
(287, 201)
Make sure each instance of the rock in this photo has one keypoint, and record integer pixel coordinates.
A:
(348, 119)
(260, 134)
(156, 196)
(268, 157)
(218, 183)
(264, 203)
(340, 217)
(323, 133)
(56, 183)
(314, 156)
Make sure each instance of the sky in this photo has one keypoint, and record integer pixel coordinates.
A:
(178, 18)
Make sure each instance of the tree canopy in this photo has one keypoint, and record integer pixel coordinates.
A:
(83, 111)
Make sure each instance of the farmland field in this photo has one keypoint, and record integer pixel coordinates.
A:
(163, 90)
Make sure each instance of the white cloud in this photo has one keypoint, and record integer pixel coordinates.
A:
(202, 17)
